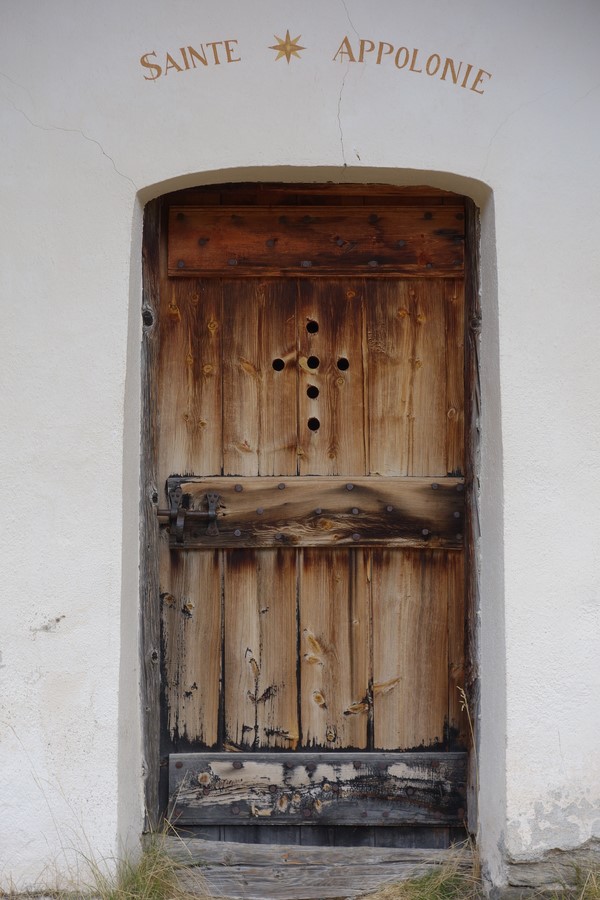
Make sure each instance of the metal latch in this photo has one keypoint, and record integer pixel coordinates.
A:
(177, 515)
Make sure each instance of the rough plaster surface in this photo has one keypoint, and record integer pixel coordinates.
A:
(85, 142)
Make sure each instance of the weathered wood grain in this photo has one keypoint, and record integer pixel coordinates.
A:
(219, 405)
(259, 401)
(191, 611)
(189, 379)
(195, 851)
(334, 600)
(331, 440)
(297, 883)
(410, 648)
(315, 240)
(260, 690)
(149, 609)
(312, 511)
(336, 789)
(455, 376)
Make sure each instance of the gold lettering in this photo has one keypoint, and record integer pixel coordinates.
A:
(364, 48)
(413, 61)
(230, 51)
(184, 57)
(454, 74)
(478, 79)
(467, 73)
(345, 50)
(194, 55)
(148, 65)
(401, 50)
(214, 45)
(380, 51)
(171, 64)
(437, 64)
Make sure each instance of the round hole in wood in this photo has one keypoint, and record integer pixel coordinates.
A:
(312, 327)
(278, 364)
(314, 424)
(343, 364)
(312, 392)
(313, 362)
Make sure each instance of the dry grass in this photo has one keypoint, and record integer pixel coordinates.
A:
(448, 881)
(587, 886)
(154, 876)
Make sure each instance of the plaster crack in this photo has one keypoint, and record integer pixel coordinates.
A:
(78, 131)
(339, 105)
(505, 121)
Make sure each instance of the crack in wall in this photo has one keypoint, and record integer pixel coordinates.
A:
(339, 105)
(49, 128)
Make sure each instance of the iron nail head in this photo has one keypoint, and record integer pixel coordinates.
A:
(356, 537)
(349, 487)
(238, 488)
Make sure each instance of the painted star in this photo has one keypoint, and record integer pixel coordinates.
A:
(287, 47)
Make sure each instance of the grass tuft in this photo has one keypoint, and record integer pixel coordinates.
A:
(448, 881)
(154, 876)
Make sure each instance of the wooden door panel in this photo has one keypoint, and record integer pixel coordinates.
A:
(260, 638)
(410, 648)
(415, 363)
(189, 382)
(191, 613)
(259, 401)
(330, 363)
(335, 652)
(318, 604)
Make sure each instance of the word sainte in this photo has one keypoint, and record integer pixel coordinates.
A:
(212, 53)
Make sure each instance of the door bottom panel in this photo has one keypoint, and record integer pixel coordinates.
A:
(349, 789)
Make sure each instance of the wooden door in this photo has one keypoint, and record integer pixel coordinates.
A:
(310, 445)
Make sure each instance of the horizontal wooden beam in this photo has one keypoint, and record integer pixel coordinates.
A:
(410, 241)
(311, 511)
(325, 789)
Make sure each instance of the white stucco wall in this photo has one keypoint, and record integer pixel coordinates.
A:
(85, 140)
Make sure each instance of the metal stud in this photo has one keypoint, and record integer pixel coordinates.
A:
(235, 810)
(238, 488)
(279, 537)
(179, 765)
(389, 509)
(259, 511)
(354, 510)
(281, 486)
(457, 515)
(356, 537)
(349, 487)
(180, 264)
(425, 531)
(232, 262)
(237, 532)
(306, 264)
(373, 263)
(318, 511)
(434, 487)
(238, 764)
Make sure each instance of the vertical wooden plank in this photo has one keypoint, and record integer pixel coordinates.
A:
(455, 377)
(390, 349)
(189, 391)
(334, 598)
(407, 377)
(427, 446)
(191, 612)
(259, 400)
(153, 247)
(410, 648)
(260, 649)
(331, 438)
(458, 734)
